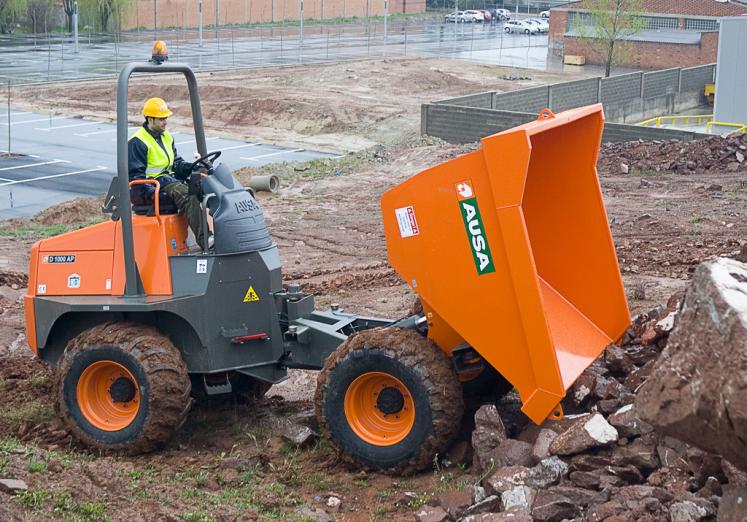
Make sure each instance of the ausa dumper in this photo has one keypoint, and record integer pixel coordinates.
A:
(507, 247)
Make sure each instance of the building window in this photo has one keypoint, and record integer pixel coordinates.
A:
(701, 24)
(660, 22)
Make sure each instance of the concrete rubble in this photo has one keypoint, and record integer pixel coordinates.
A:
(710, 154)
(608, 461)
(698, 386)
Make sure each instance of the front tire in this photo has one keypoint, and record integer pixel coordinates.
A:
(507, 30)
(123, 387)
(389, 399)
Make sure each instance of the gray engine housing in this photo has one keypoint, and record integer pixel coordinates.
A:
(238, 221)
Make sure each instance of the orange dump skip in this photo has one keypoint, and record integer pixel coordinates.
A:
(510, 250)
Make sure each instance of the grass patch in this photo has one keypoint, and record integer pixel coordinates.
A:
(33, 499)
(36, 466)
(70, 509)
(34, 412)
(34, 231)
(198, 516)
(696, 219)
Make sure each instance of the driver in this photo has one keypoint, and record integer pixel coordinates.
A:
(152, 155)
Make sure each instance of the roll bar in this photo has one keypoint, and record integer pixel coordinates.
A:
(132, 288)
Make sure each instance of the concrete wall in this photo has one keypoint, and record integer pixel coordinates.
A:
(459, 124)
(627, 98)
(526, 100)
(564, 96)
(482, 99)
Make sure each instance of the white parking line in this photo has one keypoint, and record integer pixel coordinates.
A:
(33, 121)
(50, 129)
(35, 164)
(107, 131)
(246, 145)
(255, 158)
(17, 182)
(192, 141)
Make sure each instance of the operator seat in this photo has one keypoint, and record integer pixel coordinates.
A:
(146, 207)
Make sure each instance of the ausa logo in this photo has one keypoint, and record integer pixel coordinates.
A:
(478, 241)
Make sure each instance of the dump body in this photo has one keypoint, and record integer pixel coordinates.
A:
(510, 251)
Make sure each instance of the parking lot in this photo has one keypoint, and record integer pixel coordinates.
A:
(25, 59)
(59, 158)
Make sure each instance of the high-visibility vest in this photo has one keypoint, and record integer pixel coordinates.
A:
(159, 160)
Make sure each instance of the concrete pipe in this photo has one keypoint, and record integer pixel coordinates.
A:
(265, 183)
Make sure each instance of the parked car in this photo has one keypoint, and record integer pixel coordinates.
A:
(545, 14)
(501, 14)
(486, 16)
(520, 26)
(473, 15)
(541, 24)
(456, 16)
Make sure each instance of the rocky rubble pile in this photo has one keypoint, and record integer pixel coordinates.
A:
(711, 154)
(604, 464)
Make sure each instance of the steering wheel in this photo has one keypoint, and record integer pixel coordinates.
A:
(209, 157)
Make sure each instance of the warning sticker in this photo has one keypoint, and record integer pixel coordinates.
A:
(251, 295)
(408, 225)
(201, 266)
(73, 281)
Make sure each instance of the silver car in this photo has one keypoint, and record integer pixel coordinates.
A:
(520, 26)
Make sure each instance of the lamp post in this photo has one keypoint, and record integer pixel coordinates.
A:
(199, 20)
(75, 25)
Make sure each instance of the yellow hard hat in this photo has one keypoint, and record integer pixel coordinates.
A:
(156, 108)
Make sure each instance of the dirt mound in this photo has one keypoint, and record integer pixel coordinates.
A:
(711, 154)
(14, 278)
(76, 211)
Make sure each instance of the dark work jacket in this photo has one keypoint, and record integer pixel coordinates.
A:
(137, 159)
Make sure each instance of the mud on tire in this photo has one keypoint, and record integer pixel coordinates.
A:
(431, 388)
(160, 378)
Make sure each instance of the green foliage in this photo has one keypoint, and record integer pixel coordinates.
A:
(33, 230)
(10, 11)
(36, 466)
(606, 26)
(104, 15)
(33, 499)
(72, 509)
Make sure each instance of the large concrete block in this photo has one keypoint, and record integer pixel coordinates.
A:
(697, 389)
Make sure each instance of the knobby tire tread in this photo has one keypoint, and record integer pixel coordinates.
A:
(170, 387)
(436, 373)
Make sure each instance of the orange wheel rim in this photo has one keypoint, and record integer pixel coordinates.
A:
(379, 408)
(108, 395)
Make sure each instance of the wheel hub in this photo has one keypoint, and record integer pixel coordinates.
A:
(390, 400)
(379, 408)
(122, 390)
(108, 395)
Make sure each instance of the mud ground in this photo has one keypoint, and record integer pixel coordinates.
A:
(229, 462)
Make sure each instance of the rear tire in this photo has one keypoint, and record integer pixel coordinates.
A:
(507, 30)
(389, 399)
(123, 387)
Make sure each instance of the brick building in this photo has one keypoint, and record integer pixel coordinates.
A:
(183, 13)
(677, 33)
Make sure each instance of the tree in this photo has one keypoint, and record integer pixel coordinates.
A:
(9, 11)
(104, 13)
(606, 25)
(68, 6)
(37, 12)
